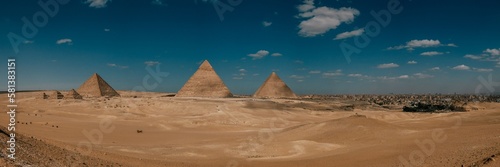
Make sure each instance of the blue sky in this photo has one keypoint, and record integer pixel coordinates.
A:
(425, 47)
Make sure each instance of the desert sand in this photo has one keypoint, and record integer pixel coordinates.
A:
(156, 129)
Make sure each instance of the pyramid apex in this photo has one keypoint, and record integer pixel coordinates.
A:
(205, 65)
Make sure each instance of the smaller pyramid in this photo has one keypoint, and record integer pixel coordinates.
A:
(72, 94)
(95, 86)
(56, 95)
(204, 83)
(274, 87)
(42, 96)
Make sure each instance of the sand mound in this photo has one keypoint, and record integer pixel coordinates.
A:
(352, 128)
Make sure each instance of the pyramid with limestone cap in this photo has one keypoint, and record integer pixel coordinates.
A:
(95, 86)
(204, 83)
(274, 87)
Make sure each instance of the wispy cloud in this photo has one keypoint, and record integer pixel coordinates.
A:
(435, 69)
(116, 66)
(97, 3)
(462, 67)
(267, 23)
(349, 34)
(473, 57)
(388, 65)
(64, 41)
(28, 42)
(431, 53)
(276, 54)
(259, 55)
(151, 63)
(315, 72)
(319, 20)
(425, 43)
(412, 62)
(423, 76)
(296, 77)
(332, 74)
(483, 69)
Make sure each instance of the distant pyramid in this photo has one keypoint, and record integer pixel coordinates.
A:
(204, 83)
(56, 95)
(274, 87)
(72, 94)
(95, 86)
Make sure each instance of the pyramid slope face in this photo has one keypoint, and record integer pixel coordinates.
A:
(274, 87)
(72, 94)
(204, 83)
(95, 86)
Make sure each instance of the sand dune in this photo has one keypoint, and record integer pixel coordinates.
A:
(246, 132)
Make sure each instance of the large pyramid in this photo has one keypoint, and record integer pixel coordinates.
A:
(95, 86)
(274, 87)
(204, 83)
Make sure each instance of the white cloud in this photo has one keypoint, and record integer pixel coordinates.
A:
(461, 67)
(319, 20)
(267, 23)
(97, 3)
(298, 62)
(425, 43)
(473, 57)
(308, 5)
(404, 77)
(259, 55)
(422, 76)
(493, 52)
(315, 72)
(117, 66)
(435, 69)
(276, 54)
(389, 65)
(64, 41)
(151, 63)
(432, 53)
(332, 74)
(412, 62)
(255, 74)
(354, 75)
(242, 70)
(237, 78)
(107, 29)
(483, 70)
(296, 77)
(350, 34)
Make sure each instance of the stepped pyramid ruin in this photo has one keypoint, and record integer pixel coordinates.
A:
(204, 83)
(95, 86)
(56, 95)
(274, 87)
(72, 94)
